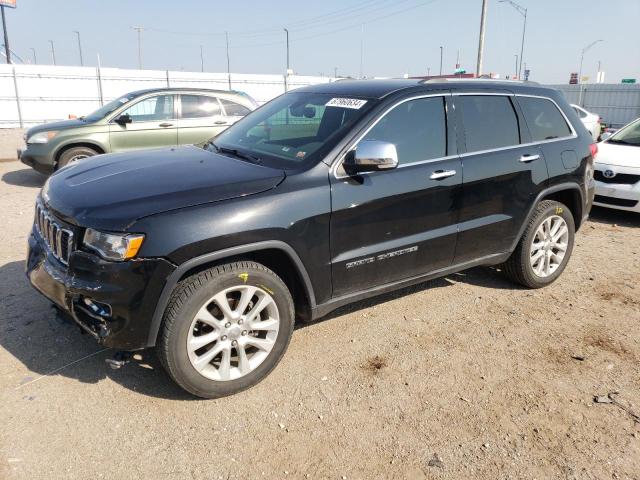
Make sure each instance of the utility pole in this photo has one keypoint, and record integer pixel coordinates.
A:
(483, 21)
(287, 32)
(441, 50)
(6, 36)
(79, 47)
(35, 60)
(139, 30)
(517, 76)
(361, 48)
(428, 71)
(201, 59)
(53, 52)
(522, 11)
(226, 36)
(335, 72)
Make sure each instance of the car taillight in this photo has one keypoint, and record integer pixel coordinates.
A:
(594, 149)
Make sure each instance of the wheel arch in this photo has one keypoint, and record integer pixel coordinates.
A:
(274, 254)
(94, 146)
(570, 194)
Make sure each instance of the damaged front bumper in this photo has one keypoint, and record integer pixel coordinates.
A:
(113, 301)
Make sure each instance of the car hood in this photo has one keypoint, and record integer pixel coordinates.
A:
(62, 125)
(110, 192)
(618, 155)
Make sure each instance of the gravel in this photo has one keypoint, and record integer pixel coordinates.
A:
(372, 391)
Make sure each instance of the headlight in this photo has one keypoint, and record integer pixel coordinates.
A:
(42, 137)
(113, 246)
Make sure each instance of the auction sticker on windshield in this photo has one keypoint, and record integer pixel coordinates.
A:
(355, 103)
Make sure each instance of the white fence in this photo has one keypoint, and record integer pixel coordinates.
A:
(34, 94)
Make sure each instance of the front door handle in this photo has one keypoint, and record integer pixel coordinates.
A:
(220, 122)
(165, 125)
(529, 158)
(440, 174)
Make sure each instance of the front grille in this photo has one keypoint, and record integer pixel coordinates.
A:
(620, 179)
(59, 240)
(619, 202)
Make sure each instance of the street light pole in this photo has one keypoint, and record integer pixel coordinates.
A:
(79, 47)
(441, 49)
(361, 48)
(522, 11)
(517, 76)
(6, 36)
(483, 21)
(35, 59)
(201, 60)
(584, 50)
(53, 52)
(287, 33)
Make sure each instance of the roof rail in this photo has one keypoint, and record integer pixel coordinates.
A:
(491, 80)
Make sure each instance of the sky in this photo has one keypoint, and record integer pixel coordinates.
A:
(398, 36)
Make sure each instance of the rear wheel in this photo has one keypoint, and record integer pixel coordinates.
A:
(74, 154)
(226, 328)
(545, 247)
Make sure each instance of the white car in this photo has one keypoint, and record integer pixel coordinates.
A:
(617, 169)
(591, 121)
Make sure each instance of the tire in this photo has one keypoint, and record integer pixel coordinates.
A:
(186, 325)
(74, 154)
(520, 265)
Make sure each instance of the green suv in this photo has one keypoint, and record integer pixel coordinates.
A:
(160, 117)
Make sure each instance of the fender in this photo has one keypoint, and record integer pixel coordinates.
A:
(541, 195)
(175, 276)
(74, 142)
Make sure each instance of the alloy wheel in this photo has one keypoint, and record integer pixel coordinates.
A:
(549, 246)
(233, 333)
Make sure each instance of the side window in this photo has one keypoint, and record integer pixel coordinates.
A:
(490, 121)
(417, 128)
(580, 113)
(234, 109)
(543, 119)
(151, 109)
(199, 106)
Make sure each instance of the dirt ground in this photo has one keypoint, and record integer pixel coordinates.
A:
(464, 377)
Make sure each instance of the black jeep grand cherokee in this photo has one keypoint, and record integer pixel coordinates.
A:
(324, 196)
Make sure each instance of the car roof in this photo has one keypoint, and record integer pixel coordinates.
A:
(185, 89)
(383, 88)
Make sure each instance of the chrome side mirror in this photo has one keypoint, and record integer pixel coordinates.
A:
(371, 156)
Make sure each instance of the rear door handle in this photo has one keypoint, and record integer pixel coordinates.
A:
(165, 125)
(220, 122)
(440, 174)
(529, 158)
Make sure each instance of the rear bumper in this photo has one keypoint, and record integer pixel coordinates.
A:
(130, 289)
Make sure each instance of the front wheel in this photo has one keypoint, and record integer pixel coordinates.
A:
(545, 247)
(226, 328)
(75, 154)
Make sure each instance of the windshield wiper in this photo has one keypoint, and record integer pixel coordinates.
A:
(236, 153)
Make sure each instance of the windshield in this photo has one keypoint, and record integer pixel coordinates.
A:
(108, 108)
(629, 135)
(294, 130)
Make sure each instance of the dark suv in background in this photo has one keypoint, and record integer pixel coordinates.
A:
(324, 196)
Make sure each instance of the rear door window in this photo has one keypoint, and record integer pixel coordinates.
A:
(490, 122)
(543, 118)
(234, 109)
(199, 106)
(417, 128)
